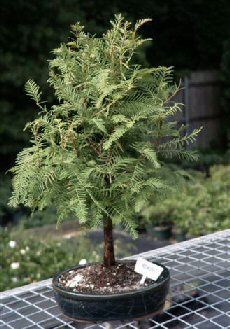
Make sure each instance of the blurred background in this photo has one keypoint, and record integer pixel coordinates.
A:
(194, 37)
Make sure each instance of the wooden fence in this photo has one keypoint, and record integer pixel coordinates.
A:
(200, 94)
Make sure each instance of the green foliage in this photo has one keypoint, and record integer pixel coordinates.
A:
(98, 151)
(28, 256)
(33, 91)
(39, 218)
(200, 207)
(31, 259)
(10, 215)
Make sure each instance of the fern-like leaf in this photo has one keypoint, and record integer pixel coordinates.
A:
(118, 133)
(148, 152)
(33, 90)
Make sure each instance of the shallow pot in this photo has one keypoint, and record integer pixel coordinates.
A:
(108, 307)
(160, 232)
(179, 235)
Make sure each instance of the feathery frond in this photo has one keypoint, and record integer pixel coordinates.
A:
(33, 91)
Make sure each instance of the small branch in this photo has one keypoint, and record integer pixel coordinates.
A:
(97, 149)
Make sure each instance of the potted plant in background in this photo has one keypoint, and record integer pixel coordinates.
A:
(97, 153)
(160, 213)
(158, 217)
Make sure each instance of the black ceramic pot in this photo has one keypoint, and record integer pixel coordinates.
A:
(179, 235)
(160, 232)
(123, 306)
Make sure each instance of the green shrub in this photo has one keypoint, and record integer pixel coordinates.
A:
(39, 218)
(200, 207)
(10, 216)
(28, 256)
(23, 261)
(212, 211)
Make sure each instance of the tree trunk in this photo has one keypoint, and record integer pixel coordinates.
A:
(109, 259)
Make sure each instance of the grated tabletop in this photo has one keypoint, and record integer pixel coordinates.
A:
(199, 295)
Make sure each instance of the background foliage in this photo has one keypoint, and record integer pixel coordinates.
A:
(187, 34)
(29, 260)
(31, 255)
(201, 205)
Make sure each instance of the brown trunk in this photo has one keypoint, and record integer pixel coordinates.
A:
(109, 259)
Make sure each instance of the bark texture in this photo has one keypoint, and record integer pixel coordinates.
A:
(109, 259)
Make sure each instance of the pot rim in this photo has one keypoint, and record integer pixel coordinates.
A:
(165, 276)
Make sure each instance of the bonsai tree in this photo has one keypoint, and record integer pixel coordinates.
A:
(98, 152)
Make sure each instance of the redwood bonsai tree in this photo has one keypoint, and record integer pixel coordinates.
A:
(98, 152)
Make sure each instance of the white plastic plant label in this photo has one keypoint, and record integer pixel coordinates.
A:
(147, 269)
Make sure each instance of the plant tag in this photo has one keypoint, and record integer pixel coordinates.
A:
(143, 279)
(147, 269)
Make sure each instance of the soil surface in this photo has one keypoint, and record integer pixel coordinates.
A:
(98, 279)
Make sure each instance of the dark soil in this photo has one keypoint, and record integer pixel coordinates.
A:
(98, 279)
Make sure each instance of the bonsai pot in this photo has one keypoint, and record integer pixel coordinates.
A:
(179, 234)
(160, 232)
(134, 304)
(141, 229)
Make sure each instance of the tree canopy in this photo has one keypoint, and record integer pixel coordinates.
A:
(98, 152)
